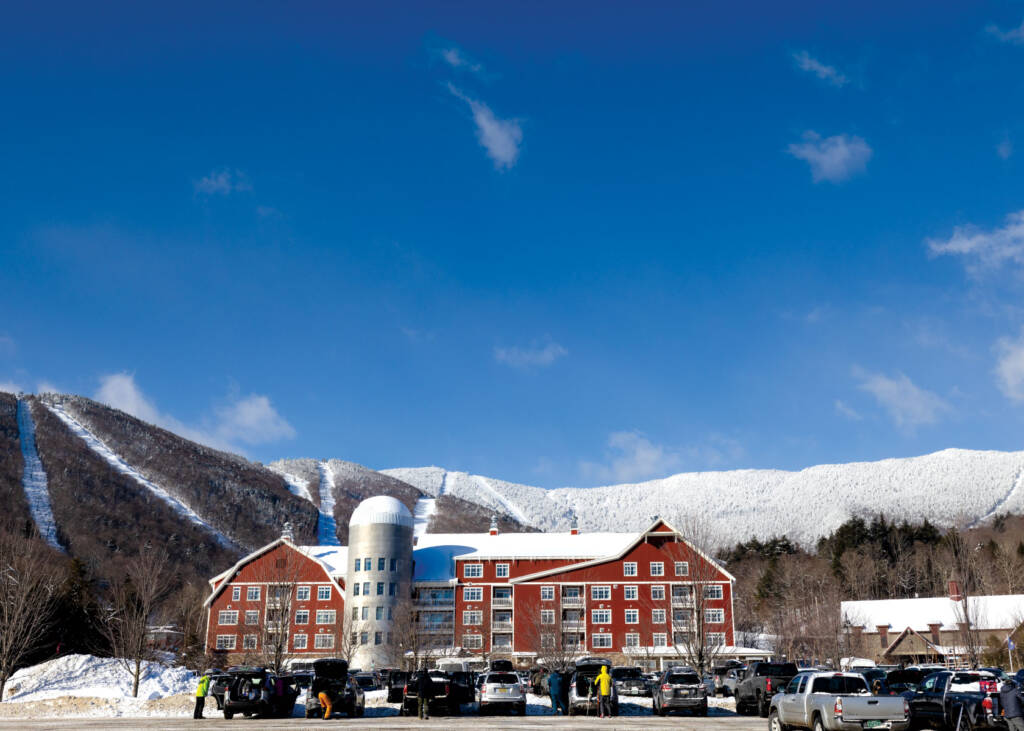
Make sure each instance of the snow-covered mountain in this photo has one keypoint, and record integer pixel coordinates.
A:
(951, 487)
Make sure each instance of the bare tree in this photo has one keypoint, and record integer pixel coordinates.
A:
(279, 575)
(544, 636)
(132, 602)
(188, 613)
(410, 643)
(29, 592)
(963, 564)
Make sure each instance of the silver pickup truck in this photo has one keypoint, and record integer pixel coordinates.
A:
(835, 702)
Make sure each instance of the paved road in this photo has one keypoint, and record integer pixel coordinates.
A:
(722, 723)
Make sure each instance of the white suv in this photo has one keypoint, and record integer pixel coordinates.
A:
(501, 691)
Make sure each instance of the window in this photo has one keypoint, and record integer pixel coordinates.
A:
(302, 594)
(547, 593)
(472, 617)
(660, 639)
(302, 616)
(359, 562)
(378, 637)
(473, 642)
(501, 570)
(658, 592)
(394, 565)
(381, 563)
(252, 593)
(658, 616)
(390, 614)
(392, 589)
(252, 616)
(226, 642)
(355, 589)
(599, 593)
(632, 639)
(601, 616)
(602, 640)
(629, 592)
(632, 616)
(547, 641)
(326, 616)
(299, 642)
(367, 563)
(682, 568)
(629, 568)
(547, 616)
(657, 568)
(236, 593)
(227, 616)
(379, 613)
(713, 592)
(364, 637)
(716, 639)
(366, 588)
(714, 616)
(355, 613)
(323, 593)
(249, 642)
(324, 641)
(472, 593)
(380, 588)
(365, 614)
(473, 570)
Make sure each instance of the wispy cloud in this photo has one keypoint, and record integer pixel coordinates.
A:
(984, 249)
(10, 387)
(1014, 35)
(806, 62)
(835, 158)
(850, 413)
(1005, 148)
(457, 59)
(908, 405)
(222, 182)
(250, 419)
(635, 458)
(1010, 367)
(501, 138)
(530, 357)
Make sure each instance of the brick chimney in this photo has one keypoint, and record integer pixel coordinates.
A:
(955, 592)
(934, 629)
(494, 525)
(574, 527)
(883, 634)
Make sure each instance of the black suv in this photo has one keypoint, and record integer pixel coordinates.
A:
(258, 691)
(396, 685)
(331, 676)
(446, 696)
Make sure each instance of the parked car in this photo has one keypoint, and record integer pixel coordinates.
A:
(331, 676)
(872, 674)
(502, 692)
(949, 697)
(396, 685)
(903, 681)
(680, 689)
(630, 681)
(760, 681)
(583, 695)
(501, 666)
(219, 682)
(463, 690)
(726, 678)
(443, 700)
(254, 691)
(835, 702)
(367, 681)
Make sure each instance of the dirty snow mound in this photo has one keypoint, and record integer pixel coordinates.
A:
(95, 677)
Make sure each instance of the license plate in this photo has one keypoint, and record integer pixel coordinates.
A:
(876, 724)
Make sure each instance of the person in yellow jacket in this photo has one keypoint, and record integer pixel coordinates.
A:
(603, 681)
(202, 690)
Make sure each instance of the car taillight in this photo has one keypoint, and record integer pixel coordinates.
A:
(987, 704)
(906, 708)
(838, 708)
(767, 685)
(447, 689)
(405, 689)
(666, 686)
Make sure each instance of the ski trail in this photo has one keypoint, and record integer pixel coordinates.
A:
(33, 478)
(425, 508)
(1002, 501)
(297, 486)
(326, 528)
(111, 458)
(502, 500)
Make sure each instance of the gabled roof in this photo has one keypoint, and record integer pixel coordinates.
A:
(1004, 611)
(657, 528)
(911, 631)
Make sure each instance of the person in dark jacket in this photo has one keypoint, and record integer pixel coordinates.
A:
(425, 693)
(555, 691)
(1010, 702)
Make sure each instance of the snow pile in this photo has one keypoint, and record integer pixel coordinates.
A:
(96, 677)
(946, 487)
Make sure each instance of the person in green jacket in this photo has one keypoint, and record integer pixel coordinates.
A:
(603, 681)
(201, 692)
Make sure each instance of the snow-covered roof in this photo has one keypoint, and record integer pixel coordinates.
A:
(335, 558)
(1005, 611)
(381, 509)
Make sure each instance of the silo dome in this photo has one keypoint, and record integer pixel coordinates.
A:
(379, 510)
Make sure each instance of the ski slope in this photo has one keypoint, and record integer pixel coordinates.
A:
(951, 487)
(33, 480)
(108, 456)
(326, 527)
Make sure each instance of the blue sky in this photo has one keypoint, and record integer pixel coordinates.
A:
(558, 245)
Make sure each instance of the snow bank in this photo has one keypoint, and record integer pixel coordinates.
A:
(96, 677)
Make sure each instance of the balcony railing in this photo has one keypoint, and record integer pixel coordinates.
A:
(501, 626)
(433, 601)
(572, 601)
(437, 627)
(571, 625)
(682, 601)
(501, 601)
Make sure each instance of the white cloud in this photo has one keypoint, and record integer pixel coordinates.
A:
(46, 387)
(222, 182)
(638, 459)
(988, 249)
(533, 356)
(250, 419)
(806, 62)
(1014, 35)
(1005, 148)
(847, 411)
(908, 404)
(835, 158)
(10, 387)
(499, 137)
(456, 58)
(1010, 367)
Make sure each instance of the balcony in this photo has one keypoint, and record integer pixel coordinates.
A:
(572, 601)
(501, 601)
(682, 601)
(437, 627)
(573, 625)
(501, 626)
(433, 601)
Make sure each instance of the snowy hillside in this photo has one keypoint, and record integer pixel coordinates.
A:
(948, 487)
